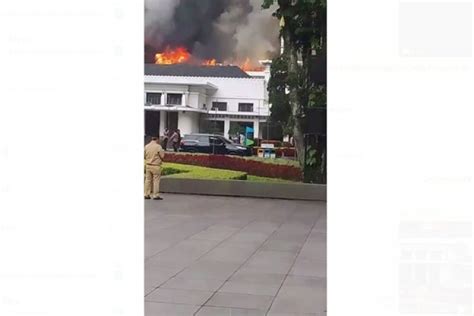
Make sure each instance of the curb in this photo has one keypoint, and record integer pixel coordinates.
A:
(289, 191)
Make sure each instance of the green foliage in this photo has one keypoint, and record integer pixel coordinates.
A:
(311, 158)
(280, 111)
(196, 172)
(268, 180)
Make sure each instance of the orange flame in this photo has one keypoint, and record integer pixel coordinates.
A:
(249, 66)
(181, 55)
(210, 62)
(172, 56)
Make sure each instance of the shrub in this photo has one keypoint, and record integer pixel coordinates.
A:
(252, 167)
(196, 172)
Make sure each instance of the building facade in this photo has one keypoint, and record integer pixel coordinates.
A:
(204, 99)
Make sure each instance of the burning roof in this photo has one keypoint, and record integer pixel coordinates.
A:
(180, 55)
(189, 70)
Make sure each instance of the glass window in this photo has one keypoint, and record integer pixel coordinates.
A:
(174, 99)
(153, 98)
(203, 139)
(220, 106)
(216, 140)
(245, 107)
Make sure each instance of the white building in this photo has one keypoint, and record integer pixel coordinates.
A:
(195, 98)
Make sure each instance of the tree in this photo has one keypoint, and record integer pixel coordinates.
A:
(303, 29)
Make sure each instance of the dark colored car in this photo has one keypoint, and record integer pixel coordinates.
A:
(212, 144)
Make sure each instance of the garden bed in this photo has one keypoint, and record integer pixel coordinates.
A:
(173, 170)
(252, 166)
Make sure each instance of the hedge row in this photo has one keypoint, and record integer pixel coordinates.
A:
(252, 167)
(279, 151)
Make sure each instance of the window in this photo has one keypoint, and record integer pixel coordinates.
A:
(216, 141)
(220, 106)
(174, 99)
(245, 107)
(153, 98)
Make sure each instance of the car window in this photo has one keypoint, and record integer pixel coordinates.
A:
(225, 140)
(190, 137)
(216, 140)
(203, 139)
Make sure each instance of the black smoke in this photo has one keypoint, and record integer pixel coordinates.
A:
(207, 28)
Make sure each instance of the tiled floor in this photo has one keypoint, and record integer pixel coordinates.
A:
(234, 256)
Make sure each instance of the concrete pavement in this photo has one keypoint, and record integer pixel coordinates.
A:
(224, 256)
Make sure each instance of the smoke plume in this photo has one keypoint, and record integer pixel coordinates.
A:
(227, 30)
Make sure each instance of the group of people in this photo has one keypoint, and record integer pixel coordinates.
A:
(172, 138)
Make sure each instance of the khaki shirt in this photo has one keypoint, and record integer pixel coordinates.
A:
(154, 154)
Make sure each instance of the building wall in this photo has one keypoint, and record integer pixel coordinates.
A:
(230, 90)
(188, 122)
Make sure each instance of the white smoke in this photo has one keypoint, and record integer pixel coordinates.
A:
(255, 32)
(258, 37)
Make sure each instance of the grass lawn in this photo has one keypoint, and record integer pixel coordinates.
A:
(174, 170)
(268, 180)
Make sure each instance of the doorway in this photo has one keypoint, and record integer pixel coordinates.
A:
(172, 120)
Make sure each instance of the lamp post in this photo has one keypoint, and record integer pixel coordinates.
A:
(215, 129)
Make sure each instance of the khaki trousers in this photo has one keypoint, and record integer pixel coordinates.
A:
(152, 180)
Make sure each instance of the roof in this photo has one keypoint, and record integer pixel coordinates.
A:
(186, 70)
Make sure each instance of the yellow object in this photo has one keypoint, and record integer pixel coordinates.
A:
(282, 22)
(152, 181)
(154, 155)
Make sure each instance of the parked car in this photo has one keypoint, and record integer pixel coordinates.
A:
(212, 144)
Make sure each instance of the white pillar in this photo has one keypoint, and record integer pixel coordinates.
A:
(226, 127)
(256, 128)
(163, 99)
(162, 122)
(184, 99)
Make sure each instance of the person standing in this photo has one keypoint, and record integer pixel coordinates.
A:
(178, 143)
(174, 140)
(154, 155)
(166, 136)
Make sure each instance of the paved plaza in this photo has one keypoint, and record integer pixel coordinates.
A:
(229, 256)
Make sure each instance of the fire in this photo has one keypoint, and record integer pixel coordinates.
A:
(210, 62)
(172, 56)
(181, 55)
(248, 66)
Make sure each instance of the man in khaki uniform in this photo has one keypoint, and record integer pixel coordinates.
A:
(154, 155)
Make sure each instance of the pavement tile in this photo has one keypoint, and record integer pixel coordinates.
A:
(156, 276)
(206, 239)
(174, 296)
(264, 278)
(223, 311)
(312, 268)
(250, 287)
(259, 302)
(280, 245)
(228, 254)
(193, 284)
(209, 270)
(163, 309)
(301, 295)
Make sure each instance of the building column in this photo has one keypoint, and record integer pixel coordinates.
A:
(256, 128)
(163, 99)
(184, 99)
(226, 127)
(162, 122)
